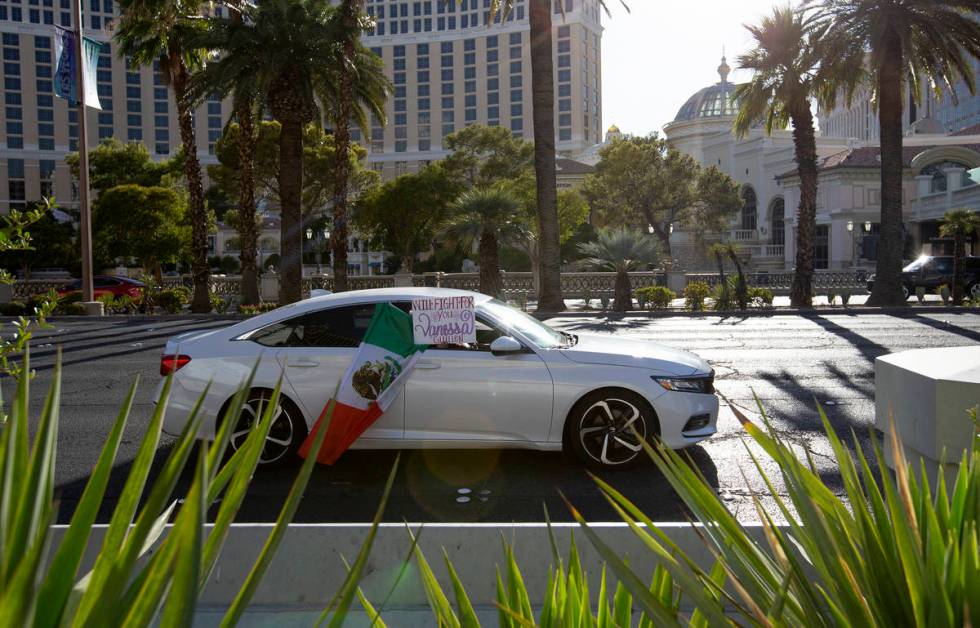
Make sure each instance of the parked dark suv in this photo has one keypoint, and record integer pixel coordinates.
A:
(930, 272)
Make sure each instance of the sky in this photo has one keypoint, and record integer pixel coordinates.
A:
(663, 51)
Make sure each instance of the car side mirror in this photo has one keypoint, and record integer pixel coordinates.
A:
(505, 345)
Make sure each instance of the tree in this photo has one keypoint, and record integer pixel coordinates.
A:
(959, 224)
(644, 180)
(291, 51)
(486, 155)
(792, 63)
(160, 31)
(485, 215)
(148, 223)
(910, 44)
(405, 214)
(573, 211)
(114, 163)
(52, 244)
(620, 250)
(319, 163)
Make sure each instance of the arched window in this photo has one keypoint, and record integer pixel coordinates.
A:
(777, 216)
(748, 208)
(938, 174)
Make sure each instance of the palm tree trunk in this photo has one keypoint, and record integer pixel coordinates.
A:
(247, 229)
(622, 292)
(290, 198)
(200, 271)
(888, 269)
(543, 102)
(490, 282)
(801, 293)
(350, 9)
(959, 257)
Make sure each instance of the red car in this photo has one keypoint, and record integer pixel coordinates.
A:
(107, 284)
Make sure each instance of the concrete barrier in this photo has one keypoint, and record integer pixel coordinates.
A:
(307, 570)
(928, 394)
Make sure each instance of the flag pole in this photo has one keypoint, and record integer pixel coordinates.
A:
(85, 222)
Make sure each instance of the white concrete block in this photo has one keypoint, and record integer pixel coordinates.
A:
(928, 393)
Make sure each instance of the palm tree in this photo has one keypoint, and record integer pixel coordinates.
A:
(959, 224)
(620, 250)
(543, 106)
(159, 31)
(486, 216)
(289, 51)
(908, 41)
(791, 65)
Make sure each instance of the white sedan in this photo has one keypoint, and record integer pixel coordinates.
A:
(522, 385)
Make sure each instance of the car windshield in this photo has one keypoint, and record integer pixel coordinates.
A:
(917, 264)
(528, 326)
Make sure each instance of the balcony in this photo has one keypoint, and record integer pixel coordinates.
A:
(769, 251)
(741, 235)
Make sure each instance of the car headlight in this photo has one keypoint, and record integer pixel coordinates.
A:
(696, 384)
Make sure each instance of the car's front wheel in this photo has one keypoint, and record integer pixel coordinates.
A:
(286, 434)
(606, 429)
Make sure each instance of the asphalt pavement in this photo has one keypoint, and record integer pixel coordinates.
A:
(788, 363)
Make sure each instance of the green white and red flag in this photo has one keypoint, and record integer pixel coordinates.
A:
(383, 362)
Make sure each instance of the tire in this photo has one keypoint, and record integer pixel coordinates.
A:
(286, 434)
(907, 291)
(597, 429)
(973, 292)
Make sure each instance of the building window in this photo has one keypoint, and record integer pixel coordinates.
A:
(778, 218)
(821, 247)
(749, 206)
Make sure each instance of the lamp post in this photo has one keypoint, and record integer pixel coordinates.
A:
(850, 230)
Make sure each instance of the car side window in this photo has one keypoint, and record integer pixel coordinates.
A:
(105, 282)
(943, 266)
(334, 327)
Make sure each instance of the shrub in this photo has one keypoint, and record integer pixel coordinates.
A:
(845, 298)
(658, 297)
(724, 299)
(838, 562)
(761, 298)
(230, 265)
(75, 308)
(218, 304)
(125, 585)
(694, 295)
(13, 308)
(172, 301)
(252, 310)
(831, 297)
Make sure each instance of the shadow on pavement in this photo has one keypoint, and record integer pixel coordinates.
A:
(436, 486)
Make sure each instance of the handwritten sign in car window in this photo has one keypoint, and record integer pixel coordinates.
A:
(443, 320)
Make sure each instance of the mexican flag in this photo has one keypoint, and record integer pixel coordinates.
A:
(383, 362)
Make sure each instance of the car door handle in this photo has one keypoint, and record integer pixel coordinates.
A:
(303, 363)
(428, 365)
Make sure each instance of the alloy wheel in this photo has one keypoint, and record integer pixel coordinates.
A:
(612, 431)
(281, 433)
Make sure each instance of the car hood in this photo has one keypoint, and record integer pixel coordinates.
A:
(637, 353)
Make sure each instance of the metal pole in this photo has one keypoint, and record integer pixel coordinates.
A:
(85, 224)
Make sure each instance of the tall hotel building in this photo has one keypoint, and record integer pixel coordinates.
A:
(448, 66)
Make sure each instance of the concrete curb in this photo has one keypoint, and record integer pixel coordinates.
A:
(307, 569)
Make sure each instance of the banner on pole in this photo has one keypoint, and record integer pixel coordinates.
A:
(66, 74)
(443, 320)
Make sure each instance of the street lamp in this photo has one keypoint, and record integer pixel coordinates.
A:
(867, 226)
(650, 229)
(850, 225)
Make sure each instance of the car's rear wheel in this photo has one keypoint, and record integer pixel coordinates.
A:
(606, 429)
(906, 291)
(286, 434)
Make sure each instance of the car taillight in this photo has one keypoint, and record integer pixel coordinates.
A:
(172, 363)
